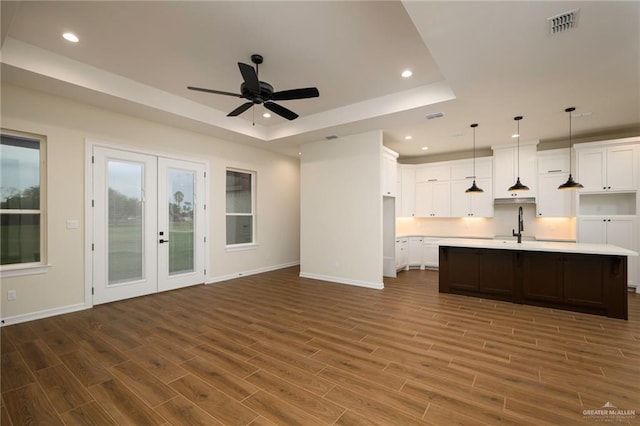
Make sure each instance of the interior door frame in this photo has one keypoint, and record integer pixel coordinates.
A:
(90, 143)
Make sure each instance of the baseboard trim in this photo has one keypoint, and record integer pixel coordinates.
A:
(220, 278)
(340, 280)
(17, 319)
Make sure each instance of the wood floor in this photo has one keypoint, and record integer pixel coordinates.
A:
(278, 349)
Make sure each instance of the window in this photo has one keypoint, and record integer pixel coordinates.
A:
(22, 200)
(240, 207)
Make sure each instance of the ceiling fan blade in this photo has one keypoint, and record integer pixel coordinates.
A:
(286, 95)
(242, 108)
(250, 77)
(281, 111)
(217, 92)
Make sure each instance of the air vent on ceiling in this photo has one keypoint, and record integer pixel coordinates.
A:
(563, 22)
(435, 115)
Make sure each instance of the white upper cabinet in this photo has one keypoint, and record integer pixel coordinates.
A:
(433, 190)
(433, 173)
(463, 169)
(465, 204)
(389, 172)
(407, 205)
(507, 168)
(553, 171)
(608, 168)
(433, 199)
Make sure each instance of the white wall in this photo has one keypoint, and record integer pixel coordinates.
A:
(341, 210)
(66, 124)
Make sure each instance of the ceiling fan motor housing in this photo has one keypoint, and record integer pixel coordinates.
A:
(266, 93)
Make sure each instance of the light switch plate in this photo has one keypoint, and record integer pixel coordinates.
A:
(72, 224)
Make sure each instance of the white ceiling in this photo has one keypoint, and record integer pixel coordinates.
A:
(481, 62)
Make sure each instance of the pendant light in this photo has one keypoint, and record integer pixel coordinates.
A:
(518, 186)
(570, 183)
(474, 188)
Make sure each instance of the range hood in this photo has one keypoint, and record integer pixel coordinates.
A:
(515, 200)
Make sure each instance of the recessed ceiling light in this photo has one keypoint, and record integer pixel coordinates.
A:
(515, 135)
(408, 137)
(424, 148)
(266, 115)
(71, 37)
(407, 73)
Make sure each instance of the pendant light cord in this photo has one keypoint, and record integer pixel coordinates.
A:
(569, 110)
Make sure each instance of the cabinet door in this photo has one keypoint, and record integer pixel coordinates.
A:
(482, 203)
(621, 168)
(579, 269)
(504, 172)
(408, 200)
(496, 272)
(507, 168)
(592, 230)
(389, 175)
(463, 269)
(551, 201)
(542, 277)
(401, 253)
(415, 251)
(460, 200)
(528, 170)
(424, 199)
(591, 169)
(622, 232)
(553, 161)
(441, 202)
(430, 255)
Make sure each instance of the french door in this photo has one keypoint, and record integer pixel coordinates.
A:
(148, 217)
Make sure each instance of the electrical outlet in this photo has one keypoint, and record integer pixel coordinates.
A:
(11, 295)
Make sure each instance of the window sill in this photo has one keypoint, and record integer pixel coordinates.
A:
(22, 270)
(241, 247)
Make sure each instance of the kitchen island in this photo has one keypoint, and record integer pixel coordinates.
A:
(589, 278)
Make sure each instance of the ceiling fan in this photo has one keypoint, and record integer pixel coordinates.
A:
(258, 92)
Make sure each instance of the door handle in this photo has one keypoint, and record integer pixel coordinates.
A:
(163, 241)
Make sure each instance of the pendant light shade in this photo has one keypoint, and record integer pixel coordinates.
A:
(518, 186)
(474, 188)
(570, 183)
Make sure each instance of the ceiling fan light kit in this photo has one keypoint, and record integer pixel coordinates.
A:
(258, 92)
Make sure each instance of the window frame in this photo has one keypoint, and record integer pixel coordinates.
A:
(253, 243)
(40, 267)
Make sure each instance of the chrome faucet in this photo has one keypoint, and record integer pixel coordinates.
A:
(520, 226)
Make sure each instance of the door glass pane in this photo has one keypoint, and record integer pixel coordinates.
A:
(126, 231)
(180, 189)
(19, 238)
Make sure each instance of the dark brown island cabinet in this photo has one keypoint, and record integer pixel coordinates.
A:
(588, 278)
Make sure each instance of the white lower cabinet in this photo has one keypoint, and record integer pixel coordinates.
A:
(618, 231)
(415, 252)
(430, 252)
(402, 253)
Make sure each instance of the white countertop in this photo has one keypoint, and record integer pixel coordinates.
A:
(547, 246)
